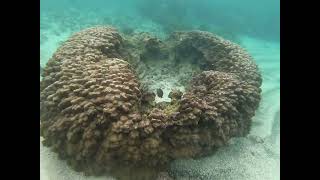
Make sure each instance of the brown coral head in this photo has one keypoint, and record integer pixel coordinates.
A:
(95, 114)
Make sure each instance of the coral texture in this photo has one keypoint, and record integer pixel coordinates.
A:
(96, 115)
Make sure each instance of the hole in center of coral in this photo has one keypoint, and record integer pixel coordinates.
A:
(163, 66)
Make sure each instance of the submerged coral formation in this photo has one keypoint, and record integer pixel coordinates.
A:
(96, 114)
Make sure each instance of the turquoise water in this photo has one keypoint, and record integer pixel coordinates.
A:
(255, 25)
(229, 17)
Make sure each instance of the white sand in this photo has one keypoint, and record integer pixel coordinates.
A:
(251, 158)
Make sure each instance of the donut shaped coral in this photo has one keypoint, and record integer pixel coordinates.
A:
(94, 113)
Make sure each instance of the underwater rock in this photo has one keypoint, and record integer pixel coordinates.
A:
(159, 92)
(153, 49)
(95, 114)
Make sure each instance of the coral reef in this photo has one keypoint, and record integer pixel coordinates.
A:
(97, 113)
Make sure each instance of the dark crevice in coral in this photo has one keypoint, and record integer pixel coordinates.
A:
(188, 53)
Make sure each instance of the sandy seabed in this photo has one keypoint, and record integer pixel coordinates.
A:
(256, 156)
